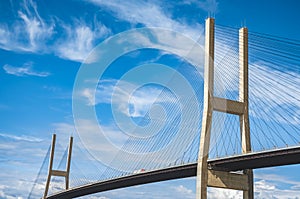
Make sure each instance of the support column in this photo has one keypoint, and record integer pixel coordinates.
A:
(52, 172)
(50, 165)
(69, 162)
(243, 97)
(202, 169)
(205, 176)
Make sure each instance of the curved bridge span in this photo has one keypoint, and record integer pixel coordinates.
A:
(274, 96)
(278, 157)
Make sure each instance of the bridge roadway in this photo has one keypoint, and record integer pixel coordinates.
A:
(255, 160)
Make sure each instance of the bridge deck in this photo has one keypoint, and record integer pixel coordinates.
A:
(271, 158)
(255, 160)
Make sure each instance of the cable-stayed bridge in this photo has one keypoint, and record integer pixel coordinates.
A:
(250, 113)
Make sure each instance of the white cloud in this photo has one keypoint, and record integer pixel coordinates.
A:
(159, 190)
(37, 31)
(4, 37)
(90, 98)
(80, 40)
(21, 158)
(265, 190)
(97, 197)
(63, 131)
(266, 186)
(278, 179)
(25, 70)
(210, 6)
(263, 186)
(183, 190)
(32, 33)
(28, 34)
(149, 14)
(21, 138)
(218, 193)
(5, 195)
(135, 104)
(115, 137)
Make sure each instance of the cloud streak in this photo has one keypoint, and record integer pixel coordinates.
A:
(149, 14)
(25, 70)
(31, 33)
(21, 138)
(28, 33)
(135, 104)
(80, 40)
(21, 157)
(210, 6)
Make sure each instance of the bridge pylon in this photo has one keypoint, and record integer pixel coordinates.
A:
(52, 172)
(207, 177)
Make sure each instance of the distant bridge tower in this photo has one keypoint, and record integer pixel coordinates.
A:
(206, 176)
(52, 172)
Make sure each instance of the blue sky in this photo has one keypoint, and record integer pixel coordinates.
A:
(45, 45)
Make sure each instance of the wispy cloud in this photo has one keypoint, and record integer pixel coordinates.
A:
(19, 189)
(34, 34)
(88, 128)
(36, 30)
(184, 192)
(210, 6)
(264, 189)
(98, 197)
(213, 193)
(22, 155)
(148, 13)
(25, 70)
(266, 186)
(80, 40)
(21, 138)
(29, 33)
(159, 190)
(278, 179)
(135, 104)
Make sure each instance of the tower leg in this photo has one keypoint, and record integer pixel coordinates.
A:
(50, 165)
(69, 162)
(202, 169)
(243, 97)
(249, 194)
